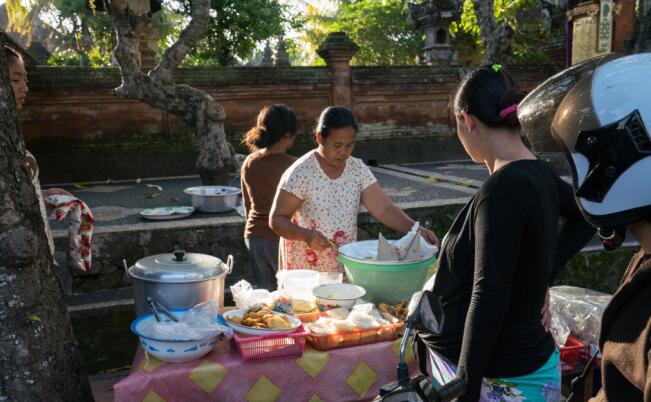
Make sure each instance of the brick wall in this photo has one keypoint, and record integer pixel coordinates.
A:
(80, 131)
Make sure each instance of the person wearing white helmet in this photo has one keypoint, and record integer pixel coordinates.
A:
(599, 113)
(500, 255)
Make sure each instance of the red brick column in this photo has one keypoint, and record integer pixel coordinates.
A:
(337, 50)
(624, 25)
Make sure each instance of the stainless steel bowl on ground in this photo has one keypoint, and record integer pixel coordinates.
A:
(214, 199)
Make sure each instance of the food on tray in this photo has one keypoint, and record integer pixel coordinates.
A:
(341, 320)
(262, 316)
(399, 310)
(303, 306)
(338, 313)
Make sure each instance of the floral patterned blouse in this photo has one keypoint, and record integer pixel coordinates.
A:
(329, 206)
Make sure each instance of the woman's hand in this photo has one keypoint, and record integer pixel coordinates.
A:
(429, 235)
(317, 241)
(546, 313)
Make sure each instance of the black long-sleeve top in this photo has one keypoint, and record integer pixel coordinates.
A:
(495, 266)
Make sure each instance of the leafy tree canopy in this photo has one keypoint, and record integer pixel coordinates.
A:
(85, 37)
(530, 33)
(381, 28)
(235, 28)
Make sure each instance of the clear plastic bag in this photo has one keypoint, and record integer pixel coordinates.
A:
(580, 310)
(198, 323)
(282, 302)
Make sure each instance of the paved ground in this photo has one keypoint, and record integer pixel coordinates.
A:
(118, 204)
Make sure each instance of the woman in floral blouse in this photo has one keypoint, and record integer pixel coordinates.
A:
(319, 196)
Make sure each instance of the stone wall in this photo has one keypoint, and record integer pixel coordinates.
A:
(80, 131)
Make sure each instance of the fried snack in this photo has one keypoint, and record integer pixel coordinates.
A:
(399, 310)
(262, 317)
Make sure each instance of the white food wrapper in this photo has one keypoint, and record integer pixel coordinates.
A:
(407, 248)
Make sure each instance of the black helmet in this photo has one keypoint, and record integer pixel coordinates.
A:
(599, 114)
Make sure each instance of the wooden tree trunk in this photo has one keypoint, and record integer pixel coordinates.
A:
(643, 29)
(195, 107)
(39, 358)
(497, 38)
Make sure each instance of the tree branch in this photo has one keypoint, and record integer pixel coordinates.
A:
(128, 28)
(486, 18)
(497, 38)
(188, 38)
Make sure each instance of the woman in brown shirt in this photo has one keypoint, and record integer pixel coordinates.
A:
(268, 142)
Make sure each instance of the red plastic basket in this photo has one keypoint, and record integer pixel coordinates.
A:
(570, 353)
(272, 346)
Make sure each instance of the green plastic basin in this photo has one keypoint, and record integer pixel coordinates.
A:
(386, 282)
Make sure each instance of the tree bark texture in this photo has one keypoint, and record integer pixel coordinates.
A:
(156, 88)
(497, 38)
(39, 357)
(642, 35)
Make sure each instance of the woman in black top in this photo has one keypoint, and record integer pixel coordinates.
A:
(501, 254)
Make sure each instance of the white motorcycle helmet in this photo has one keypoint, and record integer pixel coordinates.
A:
(601, 119)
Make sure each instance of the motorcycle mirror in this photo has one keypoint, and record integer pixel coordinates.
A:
(426, 310)
(431, 312)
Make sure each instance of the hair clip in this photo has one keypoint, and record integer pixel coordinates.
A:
(497, 67)
(508, 110)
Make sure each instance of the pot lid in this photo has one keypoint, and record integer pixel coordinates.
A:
(178, 266)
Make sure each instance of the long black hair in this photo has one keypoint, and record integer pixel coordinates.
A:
(11, 55)
(335, 117)
(490, 94)
(274, 122)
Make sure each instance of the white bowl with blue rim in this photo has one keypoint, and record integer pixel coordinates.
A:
(174, 351)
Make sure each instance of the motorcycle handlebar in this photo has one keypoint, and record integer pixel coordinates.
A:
(451, 390)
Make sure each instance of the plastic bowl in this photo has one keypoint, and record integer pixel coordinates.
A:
(176, 351)
(336, 295)
(384, 281)
(298, 283)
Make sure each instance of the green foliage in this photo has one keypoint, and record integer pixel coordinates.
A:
(527, 38)
(381, 28)
(82, 37)
(234, 30)
(597, 270)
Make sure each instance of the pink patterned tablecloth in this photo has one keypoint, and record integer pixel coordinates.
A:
(350, 374)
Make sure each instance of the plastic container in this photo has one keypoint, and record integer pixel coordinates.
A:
(327, 278)
(298, 283)
(387, 282)
(353, 338)
(270, 347)
(570, 353)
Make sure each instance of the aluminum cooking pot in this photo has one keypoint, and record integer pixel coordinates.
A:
(179, 280)
(214, 199)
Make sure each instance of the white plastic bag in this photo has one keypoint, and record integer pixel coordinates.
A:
(246, 297)
(198, 323)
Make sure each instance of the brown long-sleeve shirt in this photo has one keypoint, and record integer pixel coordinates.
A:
(260, 173)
